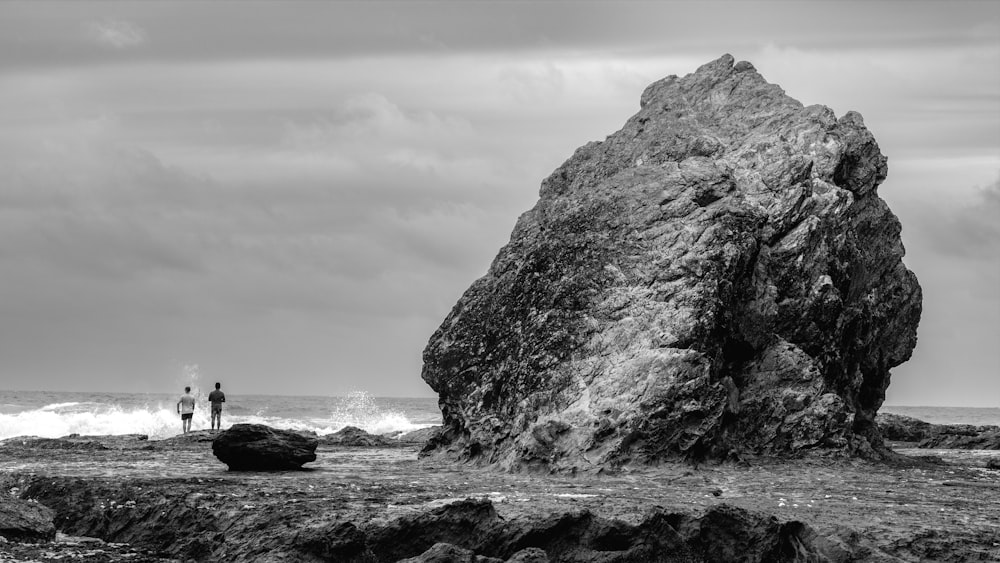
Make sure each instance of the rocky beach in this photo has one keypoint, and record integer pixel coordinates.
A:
(679, 356)
(124, 498)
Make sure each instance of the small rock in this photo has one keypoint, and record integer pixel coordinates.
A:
(256, 447)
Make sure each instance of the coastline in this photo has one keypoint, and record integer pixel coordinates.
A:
(171, 500)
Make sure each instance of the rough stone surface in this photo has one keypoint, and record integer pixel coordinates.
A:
(941, 436)
(171, 503)
(419, 436)
(448, 553)
(470, 530)
(963, 437)
(718, 278)
(21, 520)
(354, 436)
(256, 447)
(902, 428)
(191, 437)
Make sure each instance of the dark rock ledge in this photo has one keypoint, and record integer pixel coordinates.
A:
(467, 530)
(378, 503)
(901, 428)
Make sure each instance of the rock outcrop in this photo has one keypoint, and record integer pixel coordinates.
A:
(191, 437)
(964, 437)
(718, 278)
(938, 436)
(354, 436)
(900, 428)
(256, 447)
(471, 531)
(419, 436)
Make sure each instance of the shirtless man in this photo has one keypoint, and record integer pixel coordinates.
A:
(217, 397)
(185, 407)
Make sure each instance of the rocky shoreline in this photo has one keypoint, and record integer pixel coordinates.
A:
(947, 436)
(118, 498)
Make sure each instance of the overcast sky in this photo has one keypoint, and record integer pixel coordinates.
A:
(292, 196)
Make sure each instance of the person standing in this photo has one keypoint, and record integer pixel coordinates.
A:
(185, 407)
(217, 397)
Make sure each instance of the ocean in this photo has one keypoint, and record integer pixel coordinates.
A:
(51, 414)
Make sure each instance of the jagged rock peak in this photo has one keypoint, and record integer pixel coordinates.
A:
(717, 278)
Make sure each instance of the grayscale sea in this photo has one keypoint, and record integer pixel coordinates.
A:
(51, 414)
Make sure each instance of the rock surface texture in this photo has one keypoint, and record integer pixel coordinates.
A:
(372, 504)
(256, 447)
(718, 278)
(354, 436)
(21, 520)
(938, 436)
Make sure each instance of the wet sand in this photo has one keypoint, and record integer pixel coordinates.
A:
(945, 509)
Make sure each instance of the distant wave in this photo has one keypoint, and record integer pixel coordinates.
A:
(55, 420)
(88, 418)
(59, 406)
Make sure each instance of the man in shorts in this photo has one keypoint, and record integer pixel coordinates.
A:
(186, 409)
(217, 397)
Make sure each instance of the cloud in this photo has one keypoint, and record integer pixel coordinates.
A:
(973, 230)
(961, 227)
(369, 211)
(115, 33)
(953, 245)
(292, 203)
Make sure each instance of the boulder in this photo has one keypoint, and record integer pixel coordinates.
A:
(718, 278)
(26, 521)
(256, 447)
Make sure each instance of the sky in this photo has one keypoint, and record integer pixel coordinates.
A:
(290, 197)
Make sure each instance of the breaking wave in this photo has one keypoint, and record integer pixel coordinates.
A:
(160, 419)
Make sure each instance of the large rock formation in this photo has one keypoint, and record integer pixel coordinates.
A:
(719, 277)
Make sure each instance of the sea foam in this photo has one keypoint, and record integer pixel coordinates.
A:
(62, 419)
(160, 419)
